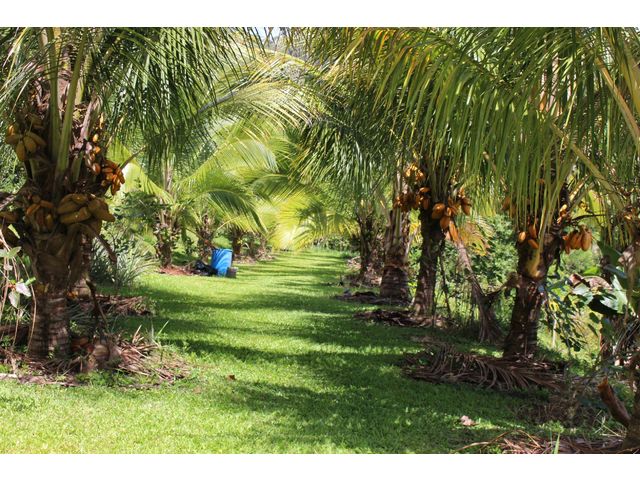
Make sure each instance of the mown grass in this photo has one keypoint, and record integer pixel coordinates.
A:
(309, 378)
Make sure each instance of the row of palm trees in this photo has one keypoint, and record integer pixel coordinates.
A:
(544, 121)
(204, 118)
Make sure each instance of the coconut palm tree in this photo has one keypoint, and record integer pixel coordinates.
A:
(66, 95)
(548, 114)
(352, 147)
(541, 125)
(476, 103)
(222, 190)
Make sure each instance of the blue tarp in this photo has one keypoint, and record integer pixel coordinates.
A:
(221, 259)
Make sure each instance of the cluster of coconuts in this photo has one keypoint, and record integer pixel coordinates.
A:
(26, 143)
(74, 208)
(530, 235)
(578, 239)
(109, 172)
(84, 208)
(420, 198)
(40, 214)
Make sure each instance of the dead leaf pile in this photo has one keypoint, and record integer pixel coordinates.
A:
(441, 363)
(368, 297)
(521, 442)
(401, 318)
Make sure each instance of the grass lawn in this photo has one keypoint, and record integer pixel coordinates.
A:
(310, 379)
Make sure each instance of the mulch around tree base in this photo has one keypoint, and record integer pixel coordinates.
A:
(520, 441)
(114, 305)
(402, 318)
(145, 363)
(370, 298)
(441, 363)
(175, 270)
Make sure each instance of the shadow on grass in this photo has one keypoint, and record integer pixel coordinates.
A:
(354, 396)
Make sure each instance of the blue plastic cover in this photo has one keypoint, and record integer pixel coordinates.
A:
(221, 259)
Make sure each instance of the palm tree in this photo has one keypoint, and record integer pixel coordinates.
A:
(342, 148)
(534, 122)
(66, 95)
(550, 113)
(221, 190)
(475, 99)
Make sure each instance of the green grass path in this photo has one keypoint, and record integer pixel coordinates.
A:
(310, 378)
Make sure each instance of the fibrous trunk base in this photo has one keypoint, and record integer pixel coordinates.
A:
(50, 326)
(424, 306)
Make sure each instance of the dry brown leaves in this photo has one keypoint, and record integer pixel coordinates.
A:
(368, 297)
(137, 357)
(521, 442)
(442, 363)
(175, 270)
(402, 318)
(116, 305)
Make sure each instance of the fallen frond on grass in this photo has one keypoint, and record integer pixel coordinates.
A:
(441, 363)
(368, 297)
(114, 305)
(521, 442)
(402, 318)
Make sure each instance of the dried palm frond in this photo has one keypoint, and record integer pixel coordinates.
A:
(521, 442)
(402, 318)
(442, 363)
(368, 297)
(138, 357)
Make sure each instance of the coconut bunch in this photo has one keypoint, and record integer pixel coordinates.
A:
(26, 141)
(445, 213)
(419, 197)
(578, 239)
(42, 215)
(530, 236)
(413, 200)
(107, 172)
(414, 175)
(572, 241)
(442, 212)
(84, 208)
(564, 217)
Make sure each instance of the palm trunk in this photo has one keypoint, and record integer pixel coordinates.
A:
(533, 266)
(522, 339)
(366, 246)
(236, 243)
(632, 439)
(424, 306)
(205, 236)
(165, 239)
(395, 276)
(631, 257)
(489, 330)
(50, 324)
(164, 252)
(56, 262)
(81, 286)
